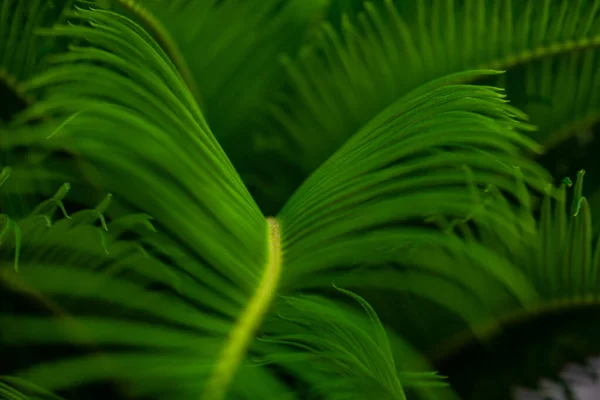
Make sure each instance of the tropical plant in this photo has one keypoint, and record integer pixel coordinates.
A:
(294, 199)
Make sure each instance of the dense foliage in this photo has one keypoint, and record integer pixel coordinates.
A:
(297, 199)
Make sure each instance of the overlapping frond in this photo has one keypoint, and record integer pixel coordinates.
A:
(389, 49)
(177, 316)
(218, 64)
(347, 358)
(80, 239)
(559, 257)
(335, 350)
(554, 254)
(121, 103)
(557, 253)
(428, 154)
(123, 106)
(138, 92)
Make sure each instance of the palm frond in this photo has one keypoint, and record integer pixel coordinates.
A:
(367, 206)
(218, 65)
(356, 358)
(418, 159)
(555, 254)
(122, 104)
(160, 127)
(160, 118)
(343, 80)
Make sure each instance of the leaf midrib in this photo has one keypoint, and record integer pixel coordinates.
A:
(242, 333)
(549, 50)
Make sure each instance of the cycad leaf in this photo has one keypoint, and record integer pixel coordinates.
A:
(135, 120)
(164, 134)
(225, 46)
(344, 354)
(123, 106)
(257, 32)
(355, 358)
(555, 254)
(428, 154)
(222, 46)
(392, 47)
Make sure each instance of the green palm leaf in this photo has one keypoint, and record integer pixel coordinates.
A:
(355, 357)
(238, 248)
(224, 256)
(347, 76)
(559, 255)
(215, 66)
(120, 101)
(556, 254)
(257, 32)
(359, 206)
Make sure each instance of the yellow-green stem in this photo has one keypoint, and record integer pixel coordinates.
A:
(239, 340)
